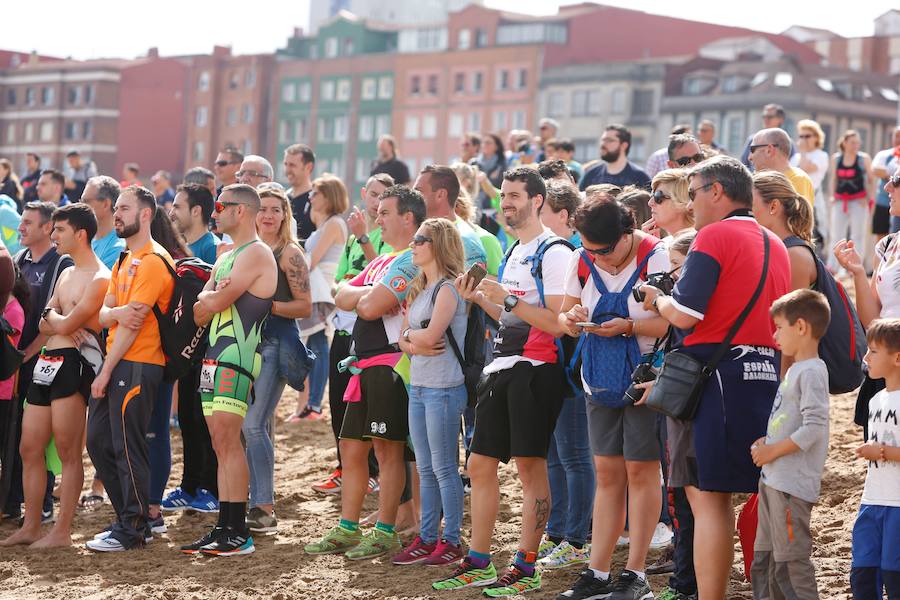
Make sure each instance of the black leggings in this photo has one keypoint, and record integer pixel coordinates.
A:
(337, 384)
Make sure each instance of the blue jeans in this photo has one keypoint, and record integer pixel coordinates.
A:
(571, 472)
(318, 375)
(434, 416)
(260, 451)
(159, 446)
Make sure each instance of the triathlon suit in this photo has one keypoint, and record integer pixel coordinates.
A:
(851, 181)
(233, 361)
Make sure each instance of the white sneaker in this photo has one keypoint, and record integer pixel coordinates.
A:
(107, 544)
(566, 555)
(662, 536)
(623, 540)
(106, 532)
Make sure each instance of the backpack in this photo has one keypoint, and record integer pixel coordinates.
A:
(844, 343)
(183, 342)
(471, 356)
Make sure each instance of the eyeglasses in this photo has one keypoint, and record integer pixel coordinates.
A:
(225, 163)
(692, 192)
(755, 147)
(421, 239)
(602, 251)
(805, 136)
(659, 197)
(250, 173)
(221, 206)
(687, 160)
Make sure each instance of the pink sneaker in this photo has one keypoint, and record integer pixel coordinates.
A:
(445, 553)
(414, 553)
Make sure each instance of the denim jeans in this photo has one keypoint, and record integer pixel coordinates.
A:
(260, 451)
(434, 417)
(318, 375)
(571, 472)
(159, 446)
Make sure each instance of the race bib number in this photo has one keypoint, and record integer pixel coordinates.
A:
(46, 369)
(208, 375)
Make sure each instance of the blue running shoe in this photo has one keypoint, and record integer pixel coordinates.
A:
(178, 499)
(205, 502)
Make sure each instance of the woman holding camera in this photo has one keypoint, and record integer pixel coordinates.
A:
(618, 336)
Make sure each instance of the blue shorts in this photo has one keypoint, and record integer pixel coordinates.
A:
(876, 537)
(733, 413)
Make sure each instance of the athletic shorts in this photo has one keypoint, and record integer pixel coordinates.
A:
(517, 411)
(383, 409)
(881, 220)
(63, 373)
(223, 389)
(876, 537)
(733, 413)
(629, 431)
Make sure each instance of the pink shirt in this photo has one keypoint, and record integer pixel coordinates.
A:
(14, 314)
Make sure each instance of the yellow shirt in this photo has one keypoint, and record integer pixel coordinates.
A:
(803, 185)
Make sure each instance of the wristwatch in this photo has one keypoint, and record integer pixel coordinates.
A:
(363, 239)
(509, 303)
(405, 334)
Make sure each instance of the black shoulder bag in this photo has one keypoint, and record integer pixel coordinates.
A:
(682, 377)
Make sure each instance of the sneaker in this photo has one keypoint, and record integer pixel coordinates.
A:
(628, 586)
(47, 518)
(230, 543)
(665, 563)
(107, 544)
(373, 544)
(336, 541)
(148, 535)
(178, 499)
(514, 582)
(467, 484)
(331, 484)
(416, 552)
(206, 540)
(623, 540)
(672, 594)
(205, 502)
(373, 488)
(546, 548)
(467, 575)
(308, 414)
(157, 525)
(445, 553)
(259, 521)
(588, 587)
(566, 555)
(662, 536)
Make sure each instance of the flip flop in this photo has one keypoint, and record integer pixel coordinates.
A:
(91, 501)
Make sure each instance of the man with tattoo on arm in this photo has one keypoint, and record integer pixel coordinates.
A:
(519, 402)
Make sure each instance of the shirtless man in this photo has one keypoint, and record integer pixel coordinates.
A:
(59, 391)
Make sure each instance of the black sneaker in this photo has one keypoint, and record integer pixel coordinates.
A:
(628, 586)
(588, 587)
(206, 540)
(665, 563)
(230, 543)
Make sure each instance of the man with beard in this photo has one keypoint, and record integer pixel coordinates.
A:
(615, 168)
(62, 377)
(123, 393)
(299, 162)
(388, 162)
(191, 212)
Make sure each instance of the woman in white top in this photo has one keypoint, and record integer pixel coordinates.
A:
(670, 215)
(814, 161)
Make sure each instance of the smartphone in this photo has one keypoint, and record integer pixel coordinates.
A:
(586, 324)
(476, 272)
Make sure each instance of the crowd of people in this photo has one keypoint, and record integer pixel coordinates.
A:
(645, 343)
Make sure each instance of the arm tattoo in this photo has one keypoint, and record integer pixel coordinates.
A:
(298, 274)
(541, 512)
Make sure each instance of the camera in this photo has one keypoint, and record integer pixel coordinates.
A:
(642, 374)
(661, 281)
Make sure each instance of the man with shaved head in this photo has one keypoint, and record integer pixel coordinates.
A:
(770, 149)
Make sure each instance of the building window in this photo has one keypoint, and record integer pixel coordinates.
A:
(199, 151)
(429, 127)
(518, 119)
(348, 47)
(86, 130)
(11, 97)
(385, 88)
(481, 38)
(455, 125)
(46, 131)
(300, 129)
(203, 81)
(327, 91)
(247, 113)
(247, 147)
(70, 130)
(250, 78)
(362, 169)
(288, 92)
(231, 116)
(474, 121)
(642, 103)
(579, 103)
(285, 131)
(88, 94)
(433, 85)
(74, 94)
(234, 80)
(202, 116)
(382, 125)
(735, 130)
(331, 47)
(326, 130)
(47, 96)
(638, 148)
(11, 133)
(415, 85)
(502, 79)
(459, 83)
(499, 120)
(478, 82)
(618, 101)
(556, 104)
(366, 128)
(29, 96)
(343, 90)
(340, 129)
(522, 79)
(585, 150)
(29, 132)
(411, 128)
(464, 39)
(696, 86)
(369, 88)
(305, 91)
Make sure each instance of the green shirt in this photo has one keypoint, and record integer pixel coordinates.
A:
(353, 259)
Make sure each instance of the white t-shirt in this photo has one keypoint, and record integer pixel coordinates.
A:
(883, 478)
(819, 158)
(887, 276)
(509, 345)
(590, 295)
(885, 160)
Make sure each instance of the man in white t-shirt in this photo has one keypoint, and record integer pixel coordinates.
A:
(521, 398)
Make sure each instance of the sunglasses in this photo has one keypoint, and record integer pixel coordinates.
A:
(659, 197)
(755, 147)
(421, 239)
(894, 180)
(687, 160)
(224, 163)
(602, 251)
(692, 192)
(221, 206)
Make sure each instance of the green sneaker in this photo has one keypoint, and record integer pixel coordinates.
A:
(514, 582)
(336, 541)
(373, 544)
(668, 593)
(466, 575)
(546, 548)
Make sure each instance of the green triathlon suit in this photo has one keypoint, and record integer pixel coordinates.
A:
(233, 361)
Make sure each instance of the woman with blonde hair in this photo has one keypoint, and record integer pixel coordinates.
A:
(811, 158)
(669, 212)
(435, 320)
(853, 192)
(9, 183)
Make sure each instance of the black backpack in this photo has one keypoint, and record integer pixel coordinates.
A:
(471, 356)
(183, 342)
(844, 343)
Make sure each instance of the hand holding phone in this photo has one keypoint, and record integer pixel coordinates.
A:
(476, 273)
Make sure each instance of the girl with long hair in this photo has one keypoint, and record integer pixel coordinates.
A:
(853, 192)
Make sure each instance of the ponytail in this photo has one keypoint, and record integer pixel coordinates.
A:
(772, 186)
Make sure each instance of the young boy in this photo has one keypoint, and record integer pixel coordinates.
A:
(876, 533)
(792, 454)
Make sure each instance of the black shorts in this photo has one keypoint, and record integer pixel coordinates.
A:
(74, 376)
(517, 410)
(383, 409)
(881, 220)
